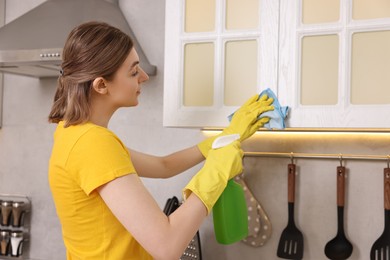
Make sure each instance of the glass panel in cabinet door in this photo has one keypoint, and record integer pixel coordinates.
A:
(370, 68)
(199, 16)
(320, 11)
(319, 70)
(242, 14)
(198, 89)
(370, 9)
(240, 71)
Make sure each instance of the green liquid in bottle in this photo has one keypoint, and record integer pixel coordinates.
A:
(230, 215)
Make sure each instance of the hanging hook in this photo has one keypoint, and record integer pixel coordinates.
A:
(292, 157)
(341, 160)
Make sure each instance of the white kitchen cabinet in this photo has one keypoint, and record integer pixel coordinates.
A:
(326, 59)
(217, 55)
(334, 63)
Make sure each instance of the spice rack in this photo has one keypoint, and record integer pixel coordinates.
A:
(14, 226)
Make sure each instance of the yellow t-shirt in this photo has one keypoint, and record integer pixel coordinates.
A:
(83, 158)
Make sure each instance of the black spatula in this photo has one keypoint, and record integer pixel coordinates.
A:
(381, 248)
(291, 240)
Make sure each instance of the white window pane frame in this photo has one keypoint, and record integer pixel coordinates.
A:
(177, 115)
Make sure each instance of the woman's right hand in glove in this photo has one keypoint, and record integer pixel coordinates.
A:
(221, 165)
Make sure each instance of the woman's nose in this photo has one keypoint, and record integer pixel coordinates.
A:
(143, 76)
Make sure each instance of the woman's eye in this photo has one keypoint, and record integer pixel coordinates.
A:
(134, 73)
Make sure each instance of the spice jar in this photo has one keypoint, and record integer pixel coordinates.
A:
(6, 208)
(4, 242)
(17, 213)
(16, 242)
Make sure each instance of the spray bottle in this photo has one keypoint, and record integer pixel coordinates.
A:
(230, 213)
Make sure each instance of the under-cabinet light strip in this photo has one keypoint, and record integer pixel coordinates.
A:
(313, 130)
(319, 156)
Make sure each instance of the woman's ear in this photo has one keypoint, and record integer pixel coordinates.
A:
(99, 86)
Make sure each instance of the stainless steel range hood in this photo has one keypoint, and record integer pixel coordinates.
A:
(32, 44)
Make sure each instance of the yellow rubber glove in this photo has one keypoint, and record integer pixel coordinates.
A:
(221, 165)
(244, 122)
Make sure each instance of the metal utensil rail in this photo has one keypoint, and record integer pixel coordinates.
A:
(339, 156)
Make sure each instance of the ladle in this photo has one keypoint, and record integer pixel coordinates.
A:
(339, 248)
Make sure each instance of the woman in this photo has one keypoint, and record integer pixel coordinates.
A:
(104, 209)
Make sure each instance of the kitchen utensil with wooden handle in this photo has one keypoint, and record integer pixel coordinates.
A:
(291, 240)
(339, 248)
(381, 248)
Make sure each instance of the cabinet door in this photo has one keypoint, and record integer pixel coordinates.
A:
(218, 53)
(335, 62)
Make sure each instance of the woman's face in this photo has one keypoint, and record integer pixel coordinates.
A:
(125, 88)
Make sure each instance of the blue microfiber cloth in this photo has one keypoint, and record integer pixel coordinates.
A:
(277, 116)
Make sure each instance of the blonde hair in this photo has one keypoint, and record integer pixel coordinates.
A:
(92, 50)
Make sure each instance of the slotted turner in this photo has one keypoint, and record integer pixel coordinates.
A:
(291, 240)
(381, 248)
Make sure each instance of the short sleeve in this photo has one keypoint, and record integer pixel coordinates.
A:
(97, 158)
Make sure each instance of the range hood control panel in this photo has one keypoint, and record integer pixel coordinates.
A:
(49, 55)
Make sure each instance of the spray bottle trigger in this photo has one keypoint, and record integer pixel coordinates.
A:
(224, 140)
